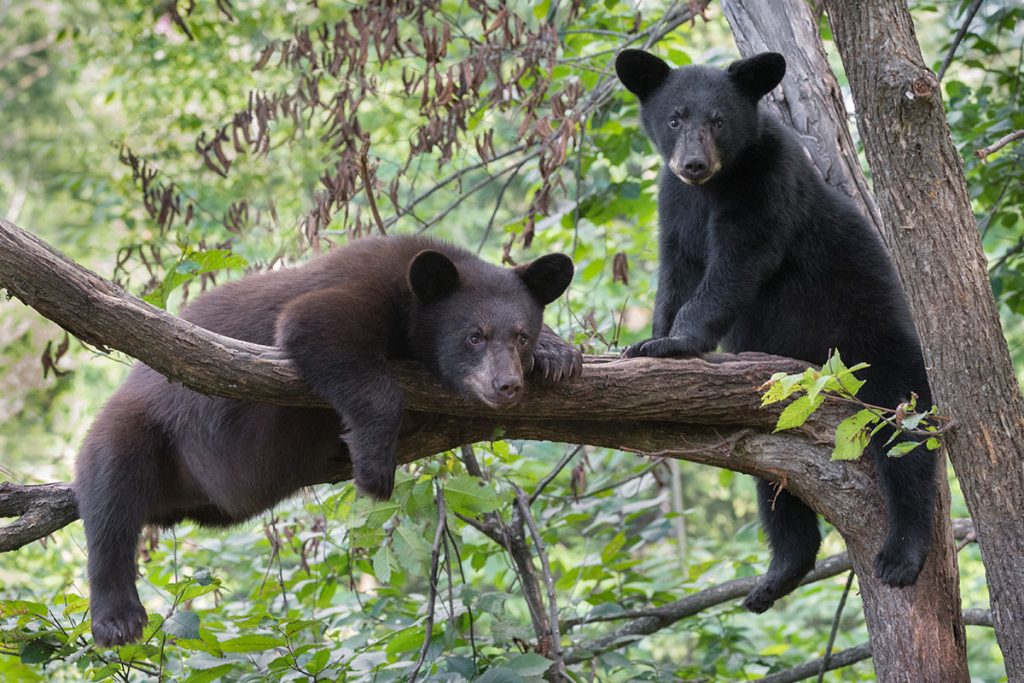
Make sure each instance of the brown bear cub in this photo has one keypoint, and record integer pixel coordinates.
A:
(159, 452)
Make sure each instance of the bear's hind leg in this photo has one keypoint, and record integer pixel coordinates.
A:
(792, 530)
(908, 485)
(114, 486)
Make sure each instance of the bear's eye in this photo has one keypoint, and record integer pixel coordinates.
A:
(523, 339)
(475, 338)
(718, 123)
(673, 122)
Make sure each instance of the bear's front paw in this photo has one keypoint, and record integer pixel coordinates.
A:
(118, 625)
(664, 347)
(555, 360)
(898, 564)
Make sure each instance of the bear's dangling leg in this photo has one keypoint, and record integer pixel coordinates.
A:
(114, 486)
(908, 485)
(792, 530)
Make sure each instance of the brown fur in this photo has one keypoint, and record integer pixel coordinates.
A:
(159, 452)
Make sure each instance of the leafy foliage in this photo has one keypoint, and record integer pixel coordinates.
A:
(172, 149)
(836, 381)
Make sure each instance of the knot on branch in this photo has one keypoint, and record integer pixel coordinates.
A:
(923, 86)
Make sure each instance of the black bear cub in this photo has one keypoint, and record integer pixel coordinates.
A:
(759, 253)
(159, 453)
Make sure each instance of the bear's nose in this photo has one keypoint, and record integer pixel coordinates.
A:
(507, 387)
(695, 166)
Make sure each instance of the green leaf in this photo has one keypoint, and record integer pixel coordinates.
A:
(11, 608)
(932, 444)
(411, 548)
(74, 604)
(902, 448)
(611, 550)
(492, 602)
(208, 675)
(407, 640)
(853, 435)
(253, 643)
(183, 624)
(469, 495)
(192, 265)
(318, 662)
(797, 412)
(843, 375)
(499, 674)
(382, 560)
(36, 651)
(782, 387)
(529, 664)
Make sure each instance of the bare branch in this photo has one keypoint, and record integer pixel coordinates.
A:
(968, 18)
(986, 152)
(566, 459)
(553, 637)
(827, 658)
(435, 554)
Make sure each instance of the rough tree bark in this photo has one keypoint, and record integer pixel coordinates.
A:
(934, 647)
(702, 410)
(932, 233)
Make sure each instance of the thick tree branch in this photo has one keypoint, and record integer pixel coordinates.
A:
(706, 410)
(40, 510)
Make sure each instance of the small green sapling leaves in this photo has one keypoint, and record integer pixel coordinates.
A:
(837, 382)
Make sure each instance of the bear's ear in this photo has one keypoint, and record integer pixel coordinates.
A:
(641, 72)
(432, 276)
(756, 76)
(547, 277)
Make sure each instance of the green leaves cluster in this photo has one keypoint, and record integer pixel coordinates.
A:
(813, 386)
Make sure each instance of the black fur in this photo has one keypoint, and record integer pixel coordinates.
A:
(759, 253)
(159, 452)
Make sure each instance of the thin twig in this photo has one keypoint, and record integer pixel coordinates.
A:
(364, 171)
(470, 462)
(968, 18)
(462, 577)
(985, 152)
(497, 204)
(549, 582)
(448, 180)
(835, 628)
(622, 482)
(991, 215)
(554, 473)
(435, 553)
(467, 193)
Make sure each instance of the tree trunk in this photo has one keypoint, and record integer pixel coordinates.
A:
(931, 230)
(917, 634)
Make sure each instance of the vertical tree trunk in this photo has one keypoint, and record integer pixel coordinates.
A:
(920, 189)
(917, 634)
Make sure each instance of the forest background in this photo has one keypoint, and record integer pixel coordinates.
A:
(171, 147)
